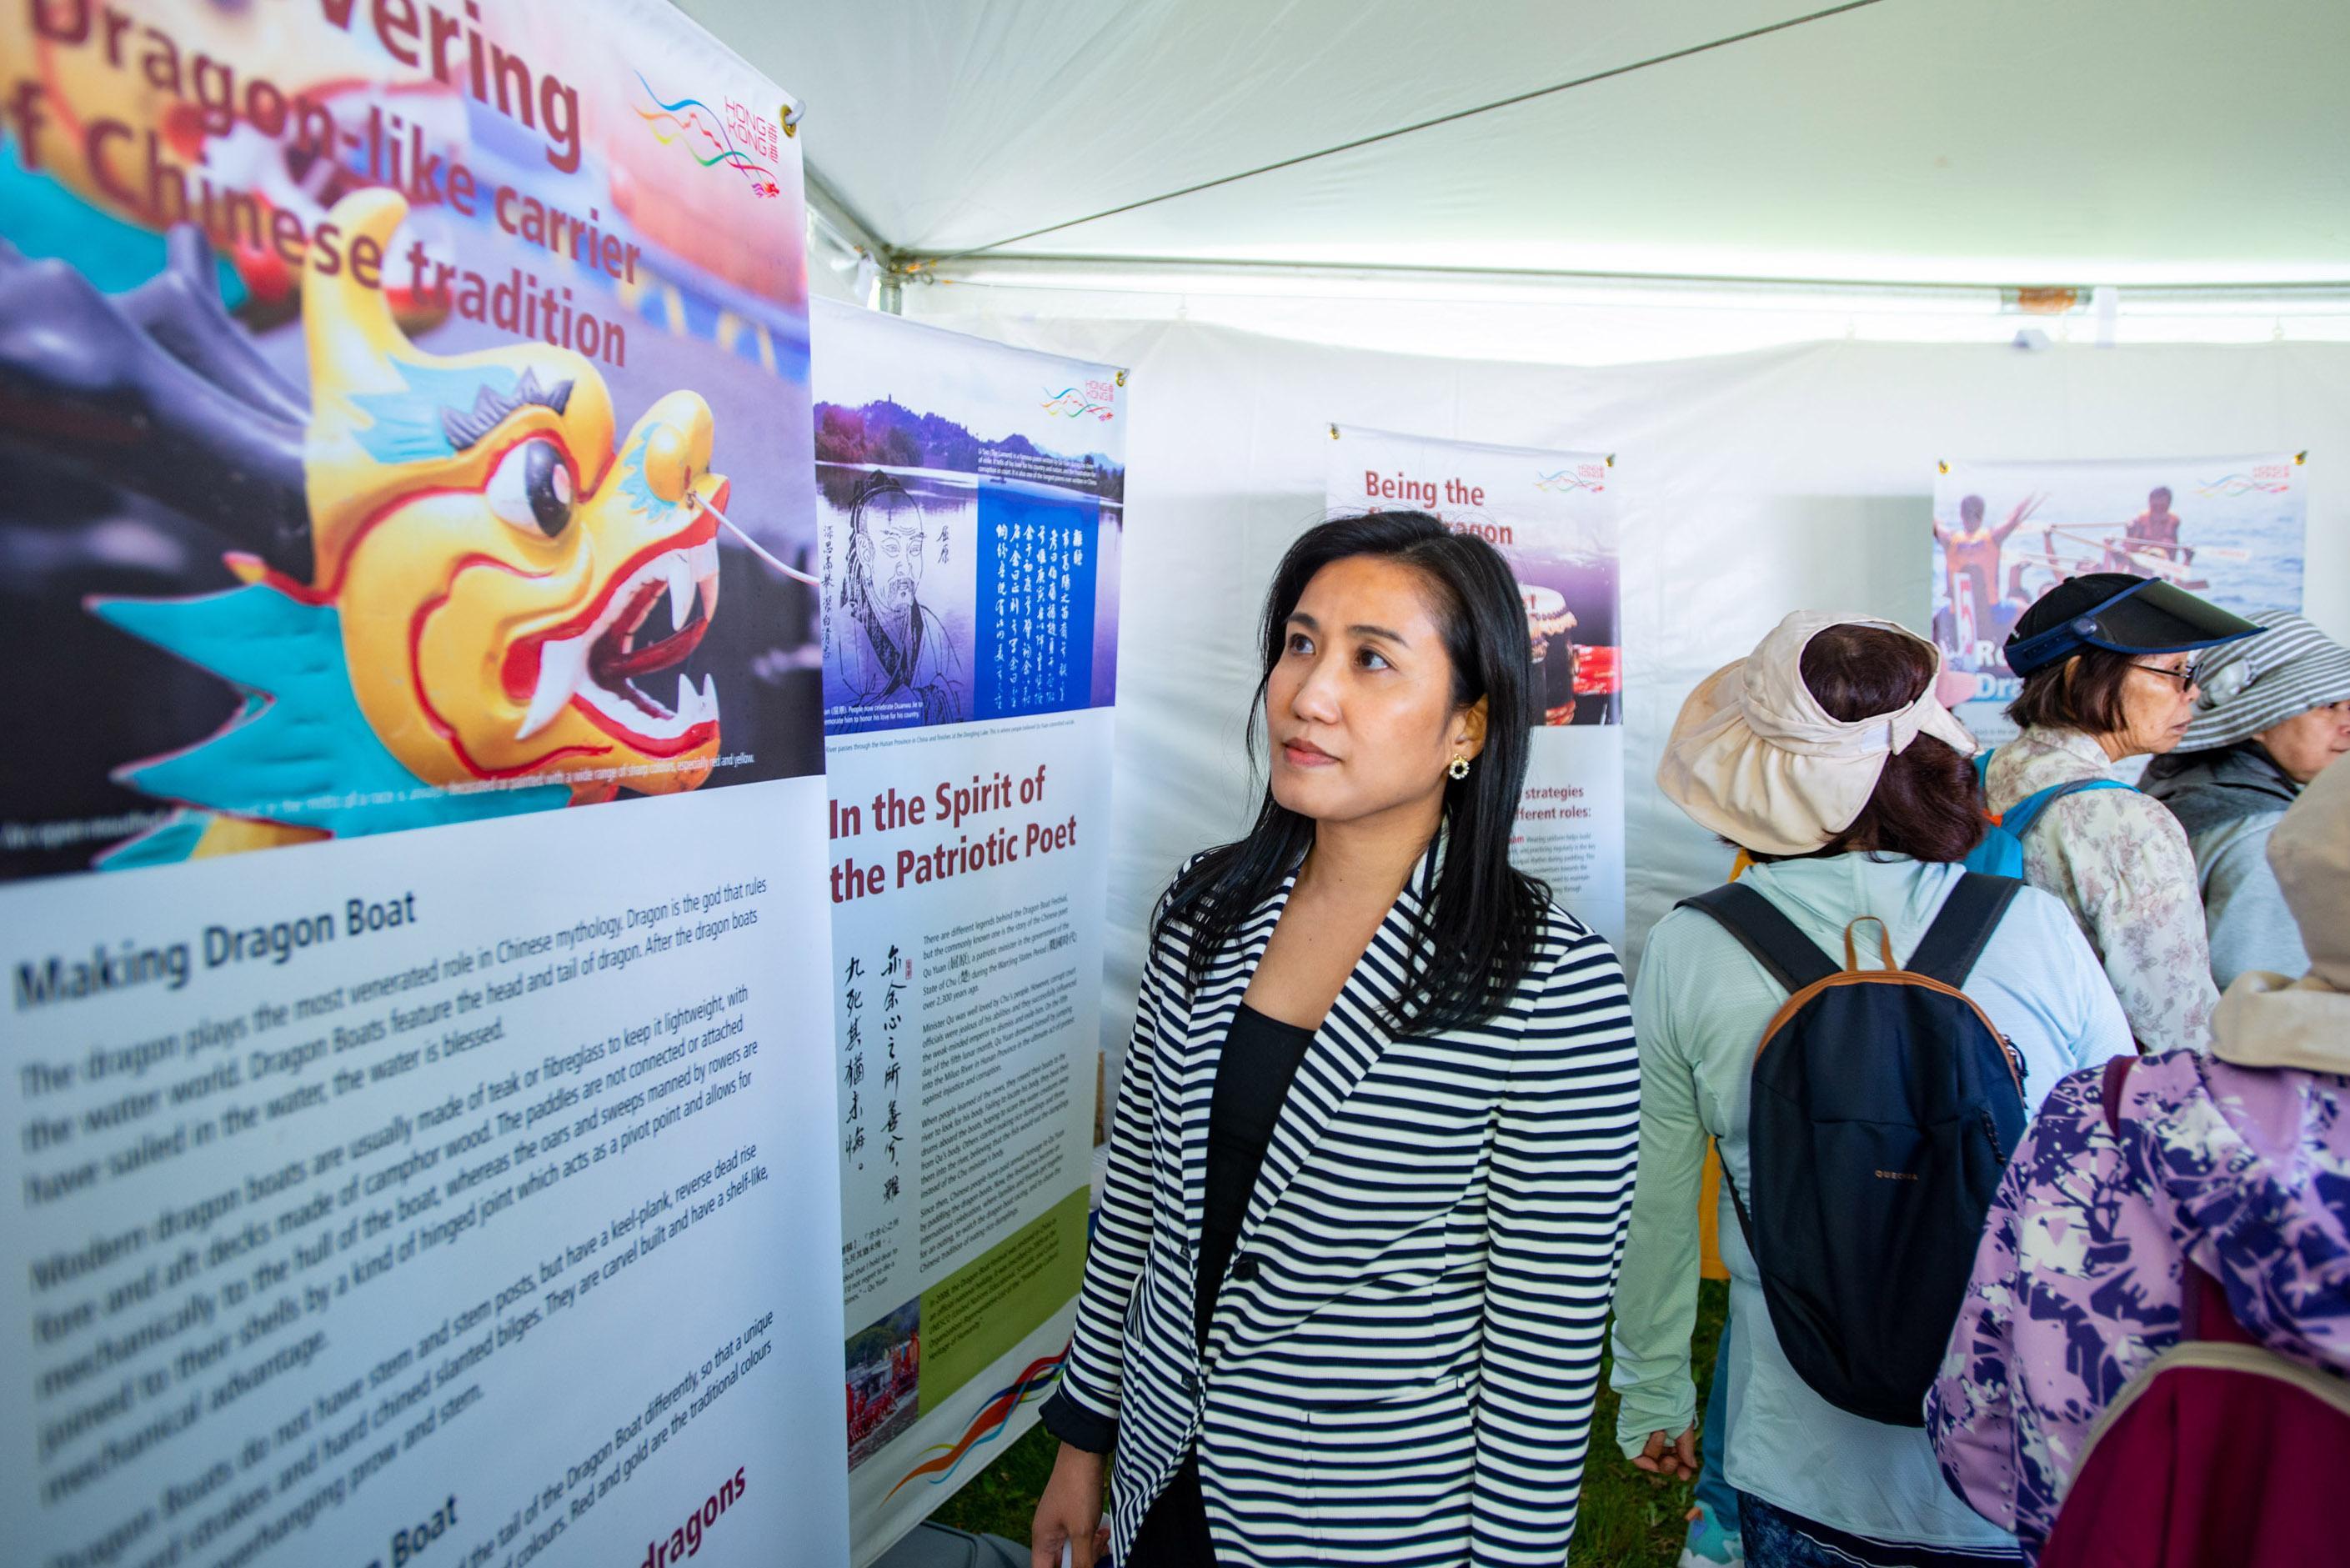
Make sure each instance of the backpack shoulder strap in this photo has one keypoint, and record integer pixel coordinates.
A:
(1954, 941)
(2018, 818)
(1794, 959)
(2109, 1091)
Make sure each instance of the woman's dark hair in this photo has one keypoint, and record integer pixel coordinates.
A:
(1478, 927)
(2084, 696)
(1928, 804)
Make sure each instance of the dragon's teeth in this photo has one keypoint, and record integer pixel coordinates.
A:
(681, 591)
(560, 666)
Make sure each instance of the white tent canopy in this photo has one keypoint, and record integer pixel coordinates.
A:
(1983, 142)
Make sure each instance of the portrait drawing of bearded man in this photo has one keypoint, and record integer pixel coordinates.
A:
(890, 642)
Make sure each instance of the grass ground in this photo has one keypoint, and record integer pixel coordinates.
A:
(1628, 1520)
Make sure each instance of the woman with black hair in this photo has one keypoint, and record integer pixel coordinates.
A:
(1374, 1137)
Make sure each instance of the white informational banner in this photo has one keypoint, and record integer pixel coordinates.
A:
(1551, 515)
(972, 498)
(419, 1142)
(2229, 529)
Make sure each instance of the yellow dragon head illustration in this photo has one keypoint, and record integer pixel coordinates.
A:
(495, 561)
(497, 611)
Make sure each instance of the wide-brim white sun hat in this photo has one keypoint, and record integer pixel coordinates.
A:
(1756, 759)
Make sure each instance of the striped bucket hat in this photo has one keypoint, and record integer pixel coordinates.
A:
(2261, 681)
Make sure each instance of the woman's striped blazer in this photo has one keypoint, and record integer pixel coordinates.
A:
(1405, 1350)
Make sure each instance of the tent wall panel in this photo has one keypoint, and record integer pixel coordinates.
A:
(1753, 484)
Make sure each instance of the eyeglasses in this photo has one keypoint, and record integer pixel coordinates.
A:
(2186, 676)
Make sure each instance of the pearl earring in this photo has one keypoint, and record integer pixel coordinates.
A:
(1459, 769)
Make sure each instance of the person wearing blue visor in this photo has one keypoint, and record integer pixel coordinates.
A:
(2109, 663)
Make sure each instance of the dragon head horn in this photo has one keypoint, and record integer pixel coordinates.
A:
(347, 322)
(360, 365)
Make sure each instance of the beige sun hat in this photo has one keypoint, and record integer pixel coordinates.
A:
(1756, 759)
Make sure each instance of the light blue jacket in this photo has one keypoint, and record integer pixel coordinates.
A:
(2251, 927)
(2230, 801)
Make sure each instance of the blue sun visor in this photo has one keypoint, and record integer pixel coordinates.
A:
(2145, 615)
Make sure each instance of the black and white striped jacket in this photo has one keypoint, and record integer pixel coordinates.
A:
(1404, 1354)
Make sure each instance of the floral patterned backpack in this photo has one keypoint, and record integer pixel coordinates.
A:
(2219, 1454)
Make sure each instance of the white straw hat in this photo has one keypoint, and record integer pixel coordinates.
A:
(2261, 681)
(1756, 758)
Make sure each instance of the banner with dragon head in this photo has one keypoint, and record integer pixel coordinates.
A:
(472, 637)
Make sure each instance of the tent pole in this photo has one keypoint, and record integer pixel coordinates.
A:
(1171, 275)
(847, 227)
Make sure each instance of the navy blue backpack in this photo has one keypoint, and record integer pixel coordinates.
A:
(1884, 1106)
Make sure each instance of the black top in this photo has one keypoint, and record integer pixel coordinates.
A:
(1260, 1057)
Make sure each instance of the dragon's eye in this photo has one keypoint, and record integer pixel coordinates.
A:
(532, 488)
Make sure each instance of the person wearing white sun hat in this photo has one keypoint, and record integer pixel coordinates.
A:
(2273, 715)
(1826, 757)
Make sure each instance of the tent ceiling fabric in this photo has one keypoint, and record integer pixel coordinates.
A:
(1942, 141)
